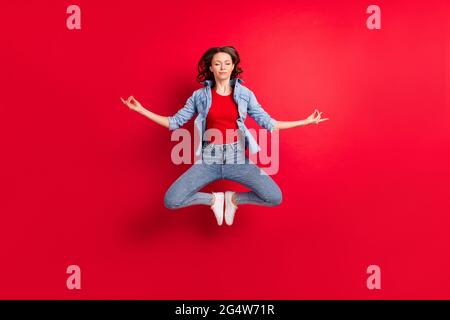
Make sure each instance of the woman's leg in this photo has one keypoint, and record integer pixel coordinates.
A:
(264, 192)
(183, 192)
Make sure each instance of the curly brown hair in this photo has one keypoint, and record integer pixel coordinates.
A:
(205, 62)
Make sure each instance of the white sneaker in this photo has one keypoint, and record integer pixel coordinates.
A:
(217, 207)
(230, 208)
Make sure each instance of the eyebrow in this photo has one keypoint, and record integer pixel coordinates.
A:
(224, 61)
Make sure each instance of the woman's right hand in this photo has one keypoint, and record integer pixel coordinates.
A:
(132, 103)
(313, 118)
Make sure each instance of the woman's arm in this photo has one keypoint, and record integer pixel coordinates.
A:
(291, 124)
(162, 120)
(133, 104)
(255, 111)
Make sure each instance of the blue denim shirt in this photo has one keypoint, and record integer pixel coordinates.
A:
(200, 102)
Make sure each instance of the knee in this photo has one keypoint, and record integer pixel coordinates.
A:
(276, 198)
(170, 200)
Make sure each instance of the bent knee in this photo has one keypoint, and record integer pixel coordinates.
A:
(276, 198)
(170, 201)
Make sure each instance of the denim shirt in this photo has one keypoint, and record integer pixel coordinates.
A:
(200, 102)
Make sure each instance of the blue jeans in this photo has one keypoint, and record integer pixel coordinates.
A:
(223, 161)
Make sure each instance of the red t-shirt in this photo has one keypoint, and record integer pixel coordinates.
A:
(222, 115)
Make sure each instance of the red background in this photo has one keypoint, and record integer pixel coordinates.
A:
(83, 177)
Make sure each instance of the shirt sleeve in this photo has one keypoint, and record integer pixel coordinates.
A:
(184, 114)
(257, 112)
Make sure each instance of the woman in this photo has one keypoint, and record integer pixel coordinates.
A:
(222, 106)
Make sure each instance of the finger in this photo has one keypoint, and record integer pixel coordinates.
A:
(324, 119)
(122, 99)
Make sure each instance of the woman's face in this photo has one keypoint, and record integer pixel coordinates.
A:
(221, 66)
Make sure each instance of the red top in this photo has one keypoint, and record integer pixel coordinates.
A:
(222, 115)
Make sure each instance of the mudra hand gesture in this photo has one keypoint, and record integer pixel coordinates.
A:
(132, 103)
(313, 118)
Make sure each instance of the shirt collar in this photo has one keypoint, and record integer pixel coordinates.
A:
(209, 83)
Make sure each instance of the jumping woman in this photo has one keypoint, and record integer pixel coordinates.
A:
(222, 105)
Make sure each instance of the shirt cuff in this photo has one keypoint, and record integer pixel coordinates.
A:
(272, 124)
(172, 123)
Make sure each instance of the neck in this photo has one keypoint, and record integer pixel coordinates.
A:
(223, 86)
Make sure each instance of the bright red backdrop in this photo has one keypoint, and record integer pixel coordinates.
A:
(83, 178)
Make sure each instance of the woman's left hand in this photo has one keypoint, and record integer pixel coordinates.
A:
(313, 118)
